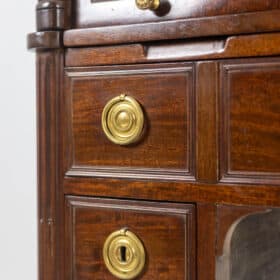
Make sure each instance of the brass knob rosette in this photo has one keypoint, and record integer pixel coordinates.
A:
(123, 120)
(148, 4)
(124, 254)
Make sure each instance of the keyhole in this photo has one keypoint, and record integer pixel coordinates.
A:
(123, 253)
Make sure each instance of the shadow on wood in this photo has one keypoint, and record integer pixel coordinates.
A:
(251, 248)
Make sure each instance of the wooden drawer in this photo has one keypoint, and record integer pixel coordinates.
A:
(211, 138)
(250, 124)
(166, 231)
(119, 12)
(165, 93)
(241, 142)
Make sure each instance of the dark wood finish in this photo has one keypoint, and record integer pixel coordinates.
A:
(206, 241)
(206, 73)
(167, 230)
(44, 40)
(250, 120)
(54, 14)
(50, 195)
(49, 64)
(167, 190)
(50, 15)
(206, 129)
(50, 21)
(178, 29)
(231, 47)
(166, 94)
(103, 13)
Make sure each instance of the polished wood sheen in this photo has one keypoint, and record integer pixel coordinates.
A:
(165, 93)
(175, 29)
(44, 40)
(201, 187)
(250, 119)
(118, 12)
(205, 49)
(167, 230)
(50, 197)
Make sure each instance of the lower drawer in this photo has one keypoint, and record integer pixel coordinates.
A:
(119, 239)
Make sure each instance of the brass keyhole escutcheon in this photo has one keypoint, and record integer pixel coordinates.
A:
(147, 4)
(123, 120)
(124, 254)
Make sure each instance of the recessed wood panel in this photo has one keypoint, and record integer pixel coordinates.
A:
(250, 123)
(91, 13)
(166, 230)
(166, 96)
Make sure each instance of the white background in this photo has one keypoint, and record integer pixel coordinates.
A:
(18, 210)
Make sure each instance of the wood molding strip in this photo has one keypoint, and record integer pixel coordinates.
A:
(175, 29)
(268, 195)
(234, 46)
(206, 122)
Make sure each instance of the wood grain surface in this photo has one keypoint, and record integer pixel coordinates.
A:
(250, 122)
(165, 93)
(50, 173)
(206, 74)
(175, 29)
(183, 50)
(166, 230)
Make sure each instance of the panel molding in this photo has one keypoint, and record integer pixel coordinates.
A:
(186, 212)
(78, 170)
(228, 175)
(130, 173)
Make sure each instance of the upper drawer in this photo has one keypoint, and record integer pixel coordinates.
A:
(131, 121)
(92, 13)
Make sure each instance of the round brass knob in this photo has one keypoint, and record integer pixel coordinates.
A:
(123, 120)
(148, 4)
(124, 254)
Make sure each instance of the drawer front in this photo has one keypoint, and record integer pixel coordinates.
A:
(118, 12)
(166, 232)
(250, 107)
(165, 96)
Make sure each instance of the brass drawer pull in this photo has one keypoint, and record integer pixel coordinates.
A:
(148, 4)
(123, 120)
(124, 254)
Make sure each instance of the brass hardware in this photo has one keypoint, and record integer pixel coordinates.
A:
(123, 120)
(124, 254)
(148, 4)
